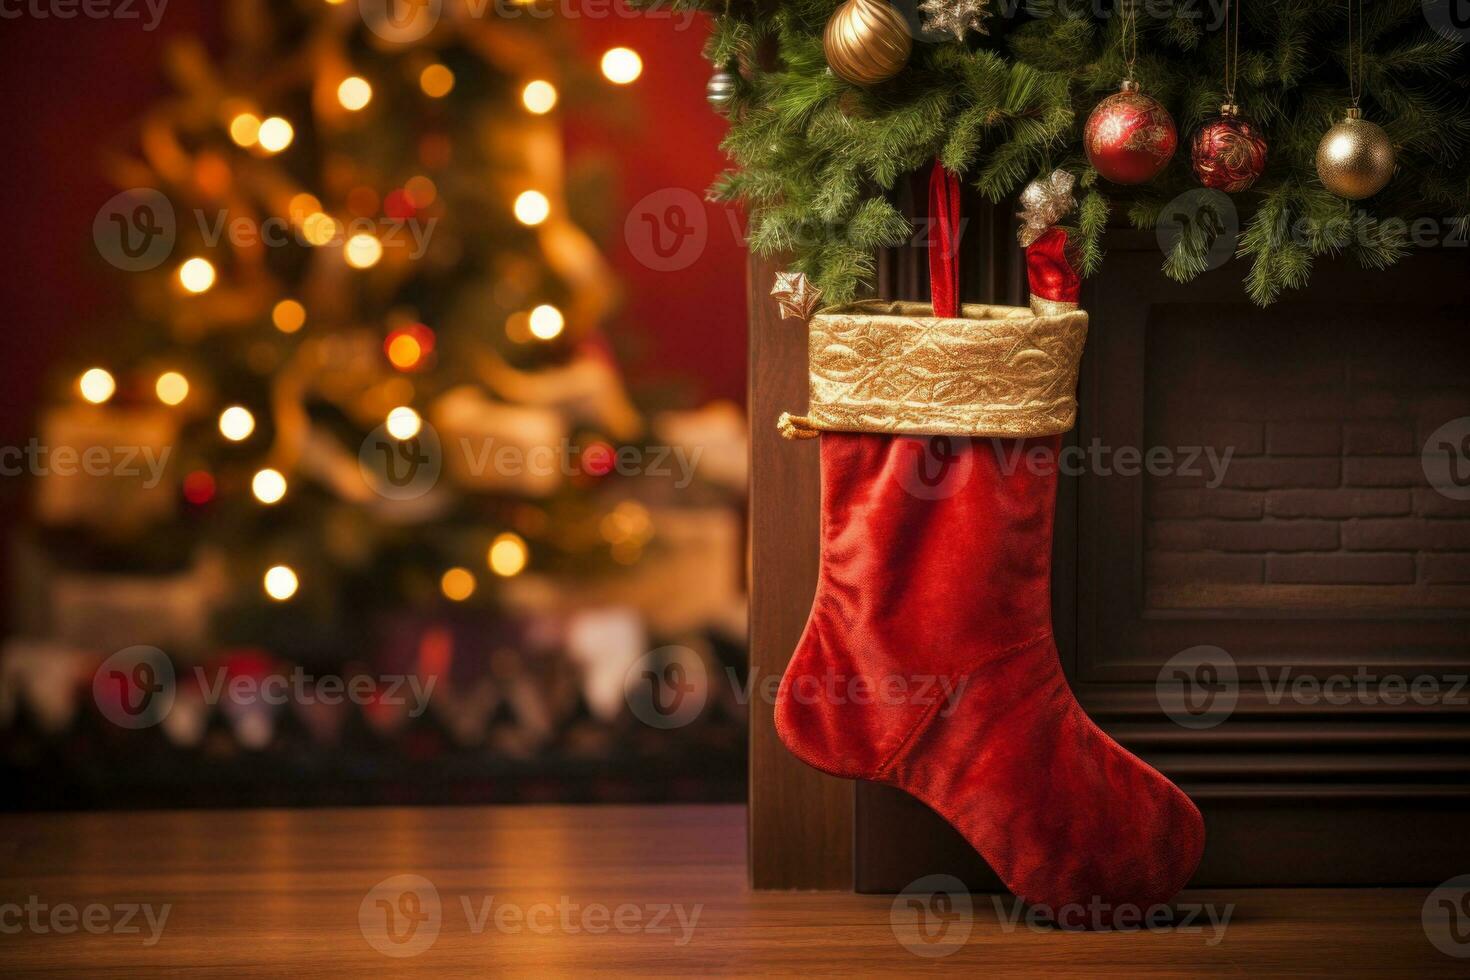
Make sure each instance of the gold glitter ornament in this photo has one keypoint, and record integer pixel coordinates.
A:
(867, 42)
(1356, 158)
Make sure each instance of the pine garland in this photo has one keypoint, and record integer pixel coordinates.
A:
(815, 158)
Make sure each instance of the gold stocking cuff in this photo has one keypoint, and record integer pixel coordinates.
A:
(894, 367)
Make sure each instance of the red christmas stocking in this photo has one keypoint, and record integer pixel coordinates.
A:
(928, 661)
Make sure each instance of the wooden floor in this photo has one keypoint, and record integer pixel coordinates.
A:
(560, 890)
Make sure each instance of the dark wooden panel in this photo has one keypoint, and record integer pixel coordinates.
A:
(800, 820)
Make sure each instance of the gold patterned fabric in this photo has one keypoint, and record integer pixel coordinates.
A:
(894, 367)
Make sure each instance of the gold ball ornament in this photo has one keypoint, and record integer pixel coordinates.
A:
(1355, 159)
(867, 42)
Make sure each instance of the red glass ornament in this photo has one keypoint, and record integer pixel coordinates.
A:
(1130, 136)
(1228, 152)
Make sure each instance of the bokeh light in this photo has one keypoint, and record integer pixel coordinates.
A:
(269, 486)
(281, 582)
(532, 208)
(437, 81)
(547, 322)
(354, 93)
(96, 385)
(539, 97)
(420, 190)
(245, 129)
(197, 275)
(622, 65)
(236, 423)
(363, 251)
(319, 228)
(275, 134)
(289, 316)
(508, 554)
(171, 388)
(199, 488)
(407, 347)
(457, 584)
(403, 423)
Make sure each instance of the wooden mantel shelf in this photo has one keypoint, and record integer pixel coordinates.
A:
(281, 893)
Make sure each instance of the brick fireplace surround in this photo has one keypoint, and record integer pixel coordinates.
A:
(1325, 500)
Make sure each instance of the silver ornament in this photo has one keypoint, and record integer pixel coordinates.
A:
(1044, 203)
(955, 16)
(720, 91)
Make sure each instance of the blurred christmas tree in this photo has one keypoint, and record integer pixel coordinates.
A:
(371, 234)
(363, 392)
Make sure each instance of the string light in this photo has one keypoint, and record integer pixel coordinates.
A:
(354, 93)
(403, 423)
(236, 423)
(507, 555)
(622, 66)
(539, 97)
(245, 129)
(289, 316)
(281, 582)
(457, 584)
(437, 81)
(532, 208)
(171, 387)
(546, 322)
(197, 275)
(269, 486)
(275, 134)
(96, 385)
(363, 251)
